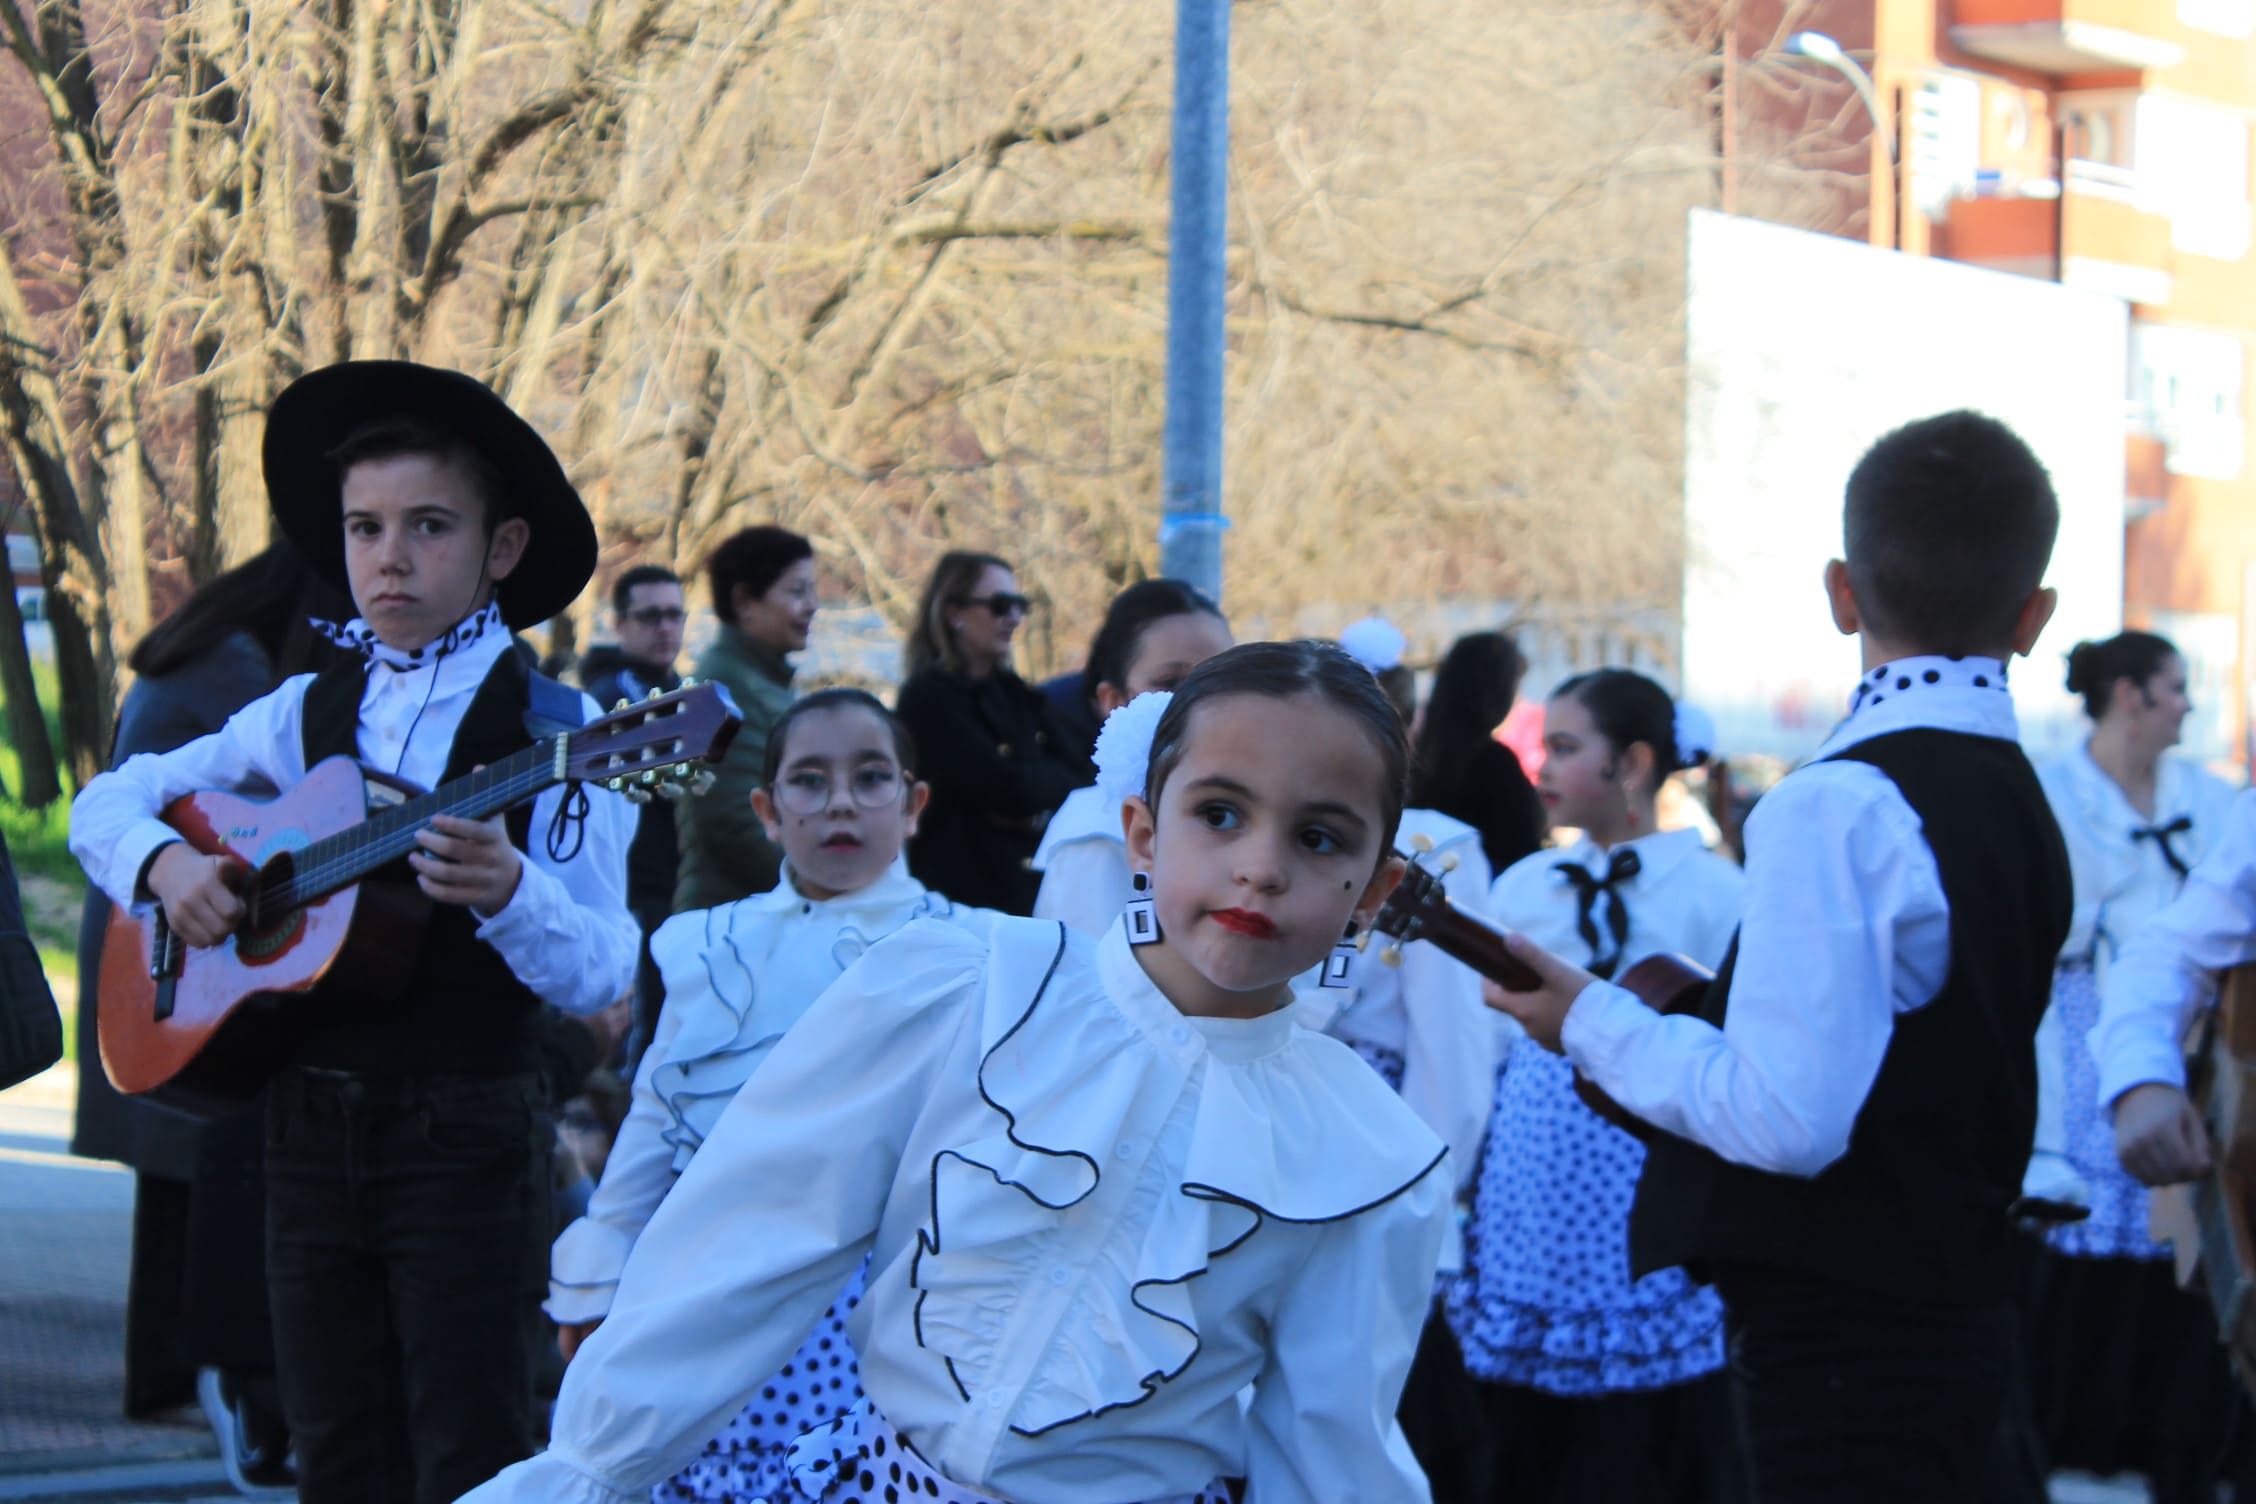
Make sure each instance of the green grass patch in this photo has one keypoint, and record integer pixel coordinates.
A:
(39, 842)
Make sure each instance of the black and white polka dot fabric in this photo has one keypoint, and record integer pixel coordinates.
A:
(1881, 684)
(860, 1459)
(1389, 1063)
(747, 1460)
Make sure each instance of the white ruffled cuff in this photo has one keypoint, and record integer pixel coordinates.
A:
(583, 1271)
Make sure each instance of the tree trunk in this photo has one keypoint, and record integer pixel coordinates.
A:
(27, 728)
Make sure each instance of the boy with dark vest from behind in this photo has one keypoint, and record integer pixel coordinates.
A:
(408, 1145)
(1847, 1118)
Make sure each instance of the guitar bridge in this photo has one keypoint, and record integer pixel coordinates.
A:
(165, 956)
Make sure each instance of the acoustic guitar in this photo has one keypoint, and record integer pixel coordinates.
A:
(2208, 1222)
(1419, 909)
(197, 1025)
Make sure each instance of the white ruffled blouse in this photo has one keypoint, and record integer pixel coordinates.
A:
(1083, 860)
(736, 977)
(2122, 880)
(1093, 1222)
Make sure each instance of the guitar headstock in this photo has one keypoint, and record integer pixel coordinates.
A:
(1418, 898)
(655, 746)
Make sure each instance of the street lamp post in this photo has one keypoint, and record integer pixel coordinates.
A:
(1192, 522)
(1822, 49)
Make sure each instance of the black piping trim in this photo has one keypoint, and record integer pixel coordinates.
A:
(1151, 1382)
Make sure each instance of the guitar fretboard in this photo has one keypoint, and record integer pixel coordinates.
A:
(340, 860)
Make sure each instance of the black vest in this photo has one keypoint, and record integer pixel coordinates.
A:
(463, 1012)
(1917, 1206)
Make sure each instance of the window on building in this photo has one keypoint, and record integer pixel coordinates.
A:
(2193, 166)
(2188, 386)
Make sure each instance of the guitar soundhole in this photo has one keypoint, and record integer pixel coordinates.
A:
(272, 940)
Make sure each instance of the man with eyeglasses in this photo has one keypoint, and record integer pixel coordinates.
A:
(648, 614)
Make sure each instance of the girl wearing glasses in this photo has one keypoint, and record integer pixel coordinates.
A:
(837, 794)
(994, 758)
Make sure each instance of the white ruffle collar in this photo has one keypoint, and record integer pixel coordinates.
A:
(1658, 854)
(473, 642)
(708, 956)
(1284, 1125)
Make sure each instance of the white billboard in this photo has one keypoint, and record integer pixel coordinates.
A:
(1801, 350)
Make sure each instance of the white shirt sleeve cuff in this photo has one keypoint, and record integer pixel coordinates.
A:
(584, 1269)
(1601, 1021)
(143, 841)
(2141, 1067)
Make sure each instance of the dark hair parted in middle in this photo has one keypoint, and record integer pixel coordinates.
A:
(1284, 671)
(2094, 668)
(841, 697)
(1948, 526)
(1132, 612)
(755, 558)
(1629, 708)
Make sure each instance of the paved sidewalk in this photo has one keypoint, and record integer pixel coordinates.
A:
(62, 1309)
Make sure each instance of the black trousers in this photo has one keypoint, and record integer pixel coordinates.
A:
(1850, 1397)
(408, 1227)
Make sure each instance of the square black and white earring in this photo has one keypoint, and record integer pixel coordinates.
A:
(1339, 966)
(1143, 914)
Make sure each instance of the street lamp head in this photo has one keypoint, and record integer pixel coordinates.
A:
(1816, 44)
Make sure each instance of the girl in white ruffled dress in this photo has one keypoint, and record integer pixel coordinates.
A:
(1131, 1230)
(839, 796)
(1599, 1389)
(1154, 633)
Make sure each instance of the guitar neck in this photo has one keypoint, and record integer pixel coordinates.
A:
(314, 872)
(1473, 940)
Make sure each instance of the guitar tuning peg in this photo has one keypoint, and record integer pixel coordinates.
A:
(637, 795)
(1421, 843)
(670, 790)
(1363, 941)
(1448, 863)
(700, 782)
(655, 693)
(649, 776)
(624, 702)
(687, 682)
(1392, 955)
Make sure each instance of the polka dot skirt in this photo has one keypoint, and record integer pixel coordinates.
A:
(2116, 1228)
(746, 1461)
(1546, 1301)
(860, 1459)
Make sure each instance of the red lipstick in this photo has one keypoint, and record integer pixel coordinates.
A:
(1245, 922)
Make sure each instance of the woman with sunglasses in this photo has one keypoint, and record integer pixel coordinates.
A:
(991, 753)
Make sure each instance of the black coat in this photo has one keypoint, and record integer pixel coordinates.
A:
(998, 767)
(31, 1031)
(161, 712)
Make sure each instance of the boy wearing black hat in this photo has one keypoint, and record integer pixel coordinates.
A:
(408, 1177)
(1847, 1118)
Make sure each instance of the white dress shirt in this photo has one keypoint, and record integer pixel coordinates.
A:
(566, 932)
(1083, 860)
(736, 978)
(1684, 899)
(1846, 926)
(1092, 1223)
(2167, 969)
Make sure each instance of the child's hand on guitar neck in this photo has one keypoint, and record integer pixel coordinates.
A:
(1542, 1012)
(469, 862)
(198, 892)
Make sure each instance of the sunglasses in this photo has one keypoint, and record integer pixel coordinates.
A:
(1001, 603)
(652, 616)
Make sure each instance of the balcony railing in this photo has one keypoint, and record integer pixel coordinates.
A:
(2090, 231)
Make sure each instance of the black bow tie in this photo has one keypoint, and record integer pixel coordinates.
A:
(1621, 868)
(2160, 836)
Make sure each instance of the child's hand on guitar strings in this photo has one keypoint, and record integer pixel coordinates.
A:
(1543, 1012)
(469, 862)
(198, 892)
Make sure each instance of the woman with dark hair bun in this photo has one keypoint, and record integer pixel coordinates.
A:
(2112, 1331)
(992, 752)
(1459, 767)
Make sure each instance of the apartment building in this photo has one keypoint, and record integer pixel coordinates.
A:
(2103, 144)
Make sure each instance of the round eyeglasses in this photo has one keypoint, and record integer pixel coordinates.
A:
(807, 791)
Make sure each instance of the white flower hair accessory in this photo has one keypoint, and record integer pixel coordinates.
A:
(1695, 735)
(1124, 745)
(1374, 642)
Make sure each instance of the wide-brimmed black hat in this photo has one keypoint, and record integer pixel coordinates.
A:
(321, 409)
